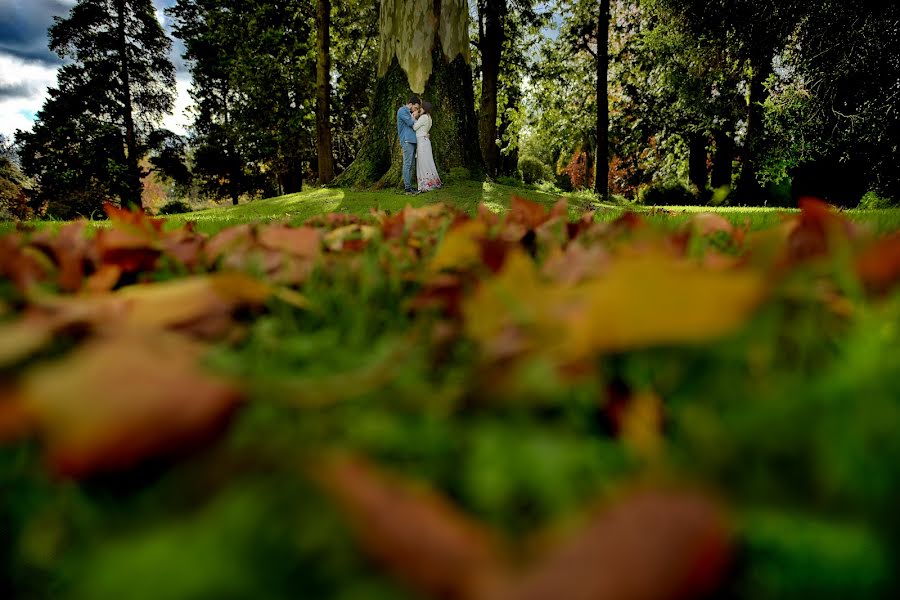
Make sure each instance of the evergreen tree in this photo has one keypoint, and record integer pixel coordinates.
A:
(90, 134)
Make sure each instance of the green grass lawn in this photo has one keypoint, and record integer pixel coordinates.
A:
(467, 195)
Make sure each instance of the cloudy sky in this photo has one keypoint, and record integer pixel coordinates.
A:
(28, 67)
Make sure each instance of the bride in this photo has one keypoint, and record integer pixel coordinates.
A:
(426, 171)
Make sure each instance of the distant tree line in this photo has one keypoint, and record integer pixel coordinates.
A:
(659, 100)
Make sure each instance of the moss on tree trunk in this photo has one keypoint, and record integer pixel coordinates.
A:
(454, 136)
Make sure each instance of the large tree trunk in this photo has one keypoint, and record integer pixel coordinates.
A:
(454, 136)
(697, 161)
(407, 66)
(722, 158)
(749, 190)
(491, 38)
(323, 92)
(132, 195)
(601, 178)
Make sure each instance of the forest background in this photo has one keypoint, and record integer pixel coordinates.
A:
(726, 101)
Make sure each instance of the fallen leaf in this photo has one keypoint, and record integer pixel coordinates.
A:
(416, 534)
(460, 249)
(648, 545)
(116, 401)
(304, 242)
(879, 265)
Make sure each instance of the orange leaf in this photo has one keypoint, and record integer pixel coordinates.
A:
(415, 533)
(116, 401)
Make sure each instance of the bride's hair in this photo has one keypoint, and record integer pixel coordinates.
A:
(426, 107)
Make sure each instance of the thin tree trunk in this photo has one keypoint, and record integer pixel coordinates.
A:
(697, 161)
(133, 193)
(234, 165)
(721, 169)
(748, 188)
(491, 38)
(323, 92)
(601, 178)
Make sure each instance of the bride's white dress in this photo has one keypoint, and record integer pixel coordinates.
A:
(426, 170)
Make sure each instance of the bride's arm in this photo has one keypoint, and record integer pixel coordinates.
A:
(420, 122)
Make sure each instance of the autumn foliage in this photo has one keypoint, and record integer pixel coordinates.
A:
(488, 407)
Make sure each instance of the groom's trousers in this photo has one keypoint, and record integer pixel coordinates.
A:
(409, 154)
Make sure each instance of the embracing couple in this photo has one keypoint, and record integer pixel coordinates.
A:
(413, 124)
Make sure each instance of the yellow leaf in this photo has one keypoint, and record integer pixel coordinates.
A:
(459, 248)
(658, 299)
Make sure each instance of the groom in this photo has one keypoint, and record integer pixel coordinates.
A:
(407, 137)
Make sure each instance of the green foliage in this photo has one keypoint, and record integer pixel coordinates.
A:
(175, 207)
(666, 193)
(871, 200)
(86, 142)
(533, 170)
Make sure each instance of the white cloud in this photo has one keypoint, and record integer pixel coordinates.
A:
(30, 80)
(179, 119)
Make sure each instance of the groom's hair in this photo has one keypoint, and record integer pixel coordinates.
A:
(414, 100)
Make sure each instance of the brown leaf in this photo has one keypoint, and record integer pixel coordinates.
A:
(526, 213)
(116, 401)
(415, 533)
(649, 545)
(233, 239)
(188, 303)
(709, 223)
(304, 242)
(817, 230)
(879, 266)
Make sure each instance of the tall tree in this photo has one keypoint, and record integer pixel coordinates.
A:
(113, 93)
(601, 179)
(491, 38)
(253, 68)
(323, 91)
(423, 49)
(756, 31)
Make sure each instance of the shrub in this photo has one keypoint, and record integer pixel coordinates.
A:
(666, 193)
(871, 200)
(175, 207)
(580, 174)
(533, 170)
(508, 180)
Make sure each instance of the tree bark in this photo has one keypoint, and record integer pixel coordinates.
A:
(454, 136)
(132, 196)
(697, 161)
(601, 178)
(491, 38)
(323, 92)
(749, 190)
(721, 169)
